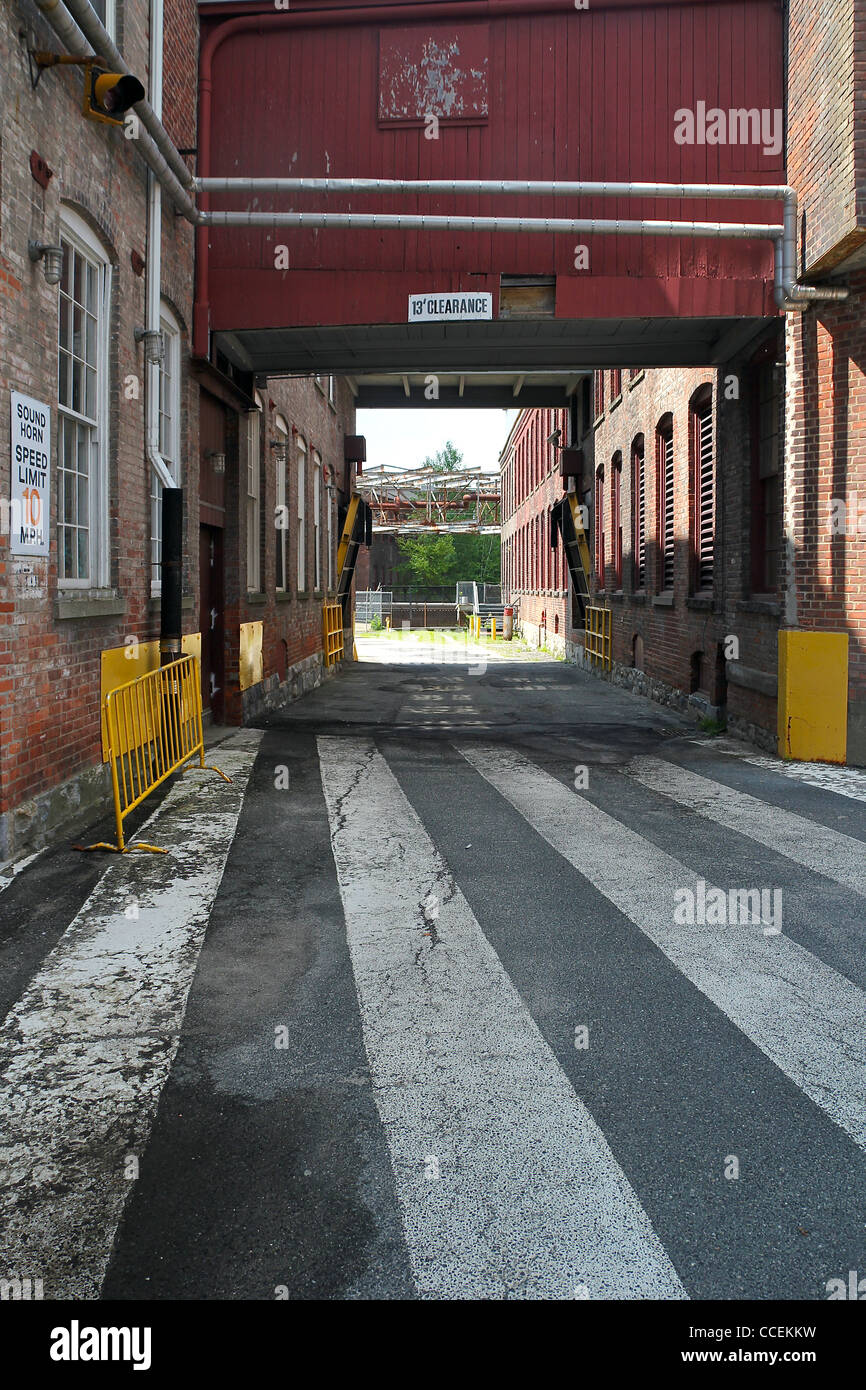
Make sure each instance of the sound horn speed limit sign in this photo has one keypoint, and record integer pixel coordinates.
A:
(31, 476)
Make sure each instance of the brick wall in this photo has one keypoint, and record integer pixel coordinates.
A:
(49, 693)
(656, 632)
(826, 461)
(826, 159)
(292, 619)
(826, 347)
(534, 578)
(660, 631)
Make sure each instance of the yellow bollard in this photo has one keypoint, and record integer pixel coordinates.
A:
(493, 629)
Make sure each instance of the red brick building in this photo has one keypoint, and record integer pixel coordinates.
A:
(728, 504)
(825, 431)
(239, 448)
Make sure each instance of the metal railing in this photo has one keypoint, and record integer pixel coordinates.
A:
(597, 643)
(332, 633)
(154, 726)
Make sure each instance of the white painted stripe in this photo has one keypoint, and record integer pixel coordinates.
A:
(842, 781)
(85, 1052)
(823, 851)
(507, 1186)
(805, 1016)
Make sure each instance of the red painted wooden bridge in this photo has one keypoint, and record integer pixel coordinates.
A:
(499, 90)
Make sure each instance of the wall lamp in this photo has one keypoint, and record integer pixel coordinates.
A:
(51, 257)
(216, 460)
(154, 347)
(555, 438)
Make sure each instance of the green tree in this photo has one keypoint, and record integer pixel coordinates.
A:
(443, 559)
(427, 560)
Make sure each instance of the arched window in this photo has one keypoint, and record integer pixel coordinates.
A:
(599, 526)
(702, 490)
(616, 517)
(638, 513)
(82, 398)
(665, 503)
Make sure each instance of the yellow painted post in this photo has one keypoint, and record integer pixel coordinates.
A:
(493, 629)
(813, 696)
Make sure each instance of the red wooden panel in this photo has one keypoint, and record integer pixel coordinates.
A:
(440, 71)
(588, 94)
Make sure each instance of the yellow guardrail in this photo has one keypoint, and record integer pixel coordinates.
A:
(332, 632)
(597, 637)
(154, 726)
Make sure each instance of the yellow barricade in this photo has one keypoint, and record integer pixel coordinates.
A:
(597, 637)
(332, 632)
(154, 726)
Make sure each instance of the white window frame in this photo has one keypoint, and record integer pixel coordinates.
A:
(302, 514)
(77, 234)
(254, 498)
(109, 23)
(317, 522)
(327, 390)
(169, 434)
(281, 515)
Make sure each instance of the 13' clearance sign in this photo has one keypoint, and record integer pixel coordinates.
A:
(31, 475)
(453, 307)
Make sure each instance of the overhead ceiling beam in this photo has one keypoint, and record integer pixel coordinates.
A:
(517, 385)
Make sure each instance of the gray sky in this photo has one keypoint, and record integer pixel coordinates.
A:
(406, 437)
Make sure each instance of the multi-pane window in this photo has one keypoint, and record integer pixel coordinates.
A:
(598, 402)
(638, 512)
(302, 514)
(616, 517)
(281, 513)
(599, 526)
(168, 373)
(254, 500)
(703, 488)
(665, 500)
(317, 520)
(82, 393)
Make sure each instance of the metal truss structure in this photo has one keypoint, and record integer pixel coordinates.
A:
(418, 501)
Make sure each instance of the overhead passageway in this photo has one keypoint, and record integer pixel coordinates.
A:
(503, 90)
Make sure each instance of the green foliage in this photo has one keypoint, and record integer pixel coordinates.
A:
(711, 726)
(439, 560)
(446, 460)
(375, 623)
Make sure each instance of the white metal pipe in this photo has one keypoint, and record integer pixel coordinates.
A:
(84, 34)
(788, 293)
(154, 262)
(511, 187)
(455, 222)
(92, 27)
